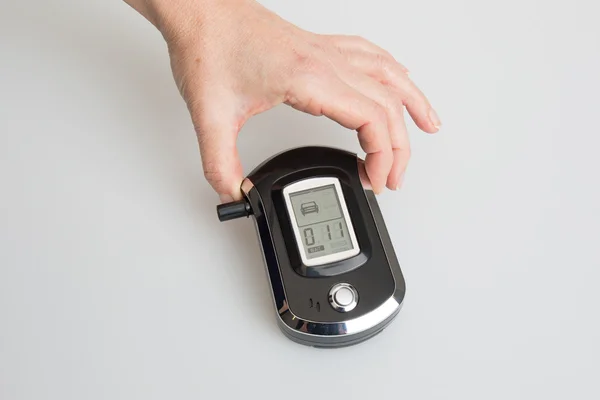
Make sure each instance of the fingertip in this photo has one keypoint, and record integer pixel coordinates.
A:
(401, 160)
(425, 117)
(235, 193)
(225, 198)
(378, 167)
(400, 181)
(364, 178)
(434, 119)
(378, 186)
(418, 107)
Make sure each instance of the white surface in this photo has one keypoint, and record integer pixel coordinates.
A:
(118, 282)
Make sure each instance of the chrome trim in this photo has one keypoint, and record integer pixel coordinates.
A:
(346, 328)
(317, 329)
(341, 307)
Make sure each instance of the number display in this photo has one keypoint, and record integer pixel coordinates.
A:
(332, 231)
(309, 236)
(321, 224)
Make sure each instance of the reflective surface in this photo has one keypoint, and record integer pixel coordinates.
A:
(343, 297)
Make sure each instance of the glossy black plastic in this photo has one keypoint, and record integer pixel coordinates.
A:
(301, 292)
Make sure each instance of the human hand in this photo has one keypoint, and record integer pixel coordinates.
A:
(233, 59)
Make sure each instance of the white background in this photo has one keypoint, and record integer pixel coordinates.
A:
(118, 282)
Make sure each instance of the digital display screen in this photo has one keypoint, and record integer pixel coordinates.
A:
(320, 221)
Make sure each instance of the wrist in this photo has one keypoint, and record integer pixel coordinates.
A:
(144, 8)
(175, 18)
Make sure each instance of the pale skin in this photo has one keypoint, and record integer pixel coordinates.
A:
(233, 59)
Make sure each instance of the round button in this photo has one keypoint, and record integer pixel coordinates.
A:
(343, 297)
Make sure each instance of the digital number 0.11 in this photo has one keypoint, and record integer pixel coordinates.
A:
(309, 235)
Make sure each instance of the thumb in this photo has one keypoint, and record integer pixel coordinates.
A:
(217, 139)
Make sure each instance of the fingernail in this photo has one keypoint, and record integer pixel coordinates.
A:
(435, 120)
(400, 181)
(225, 198)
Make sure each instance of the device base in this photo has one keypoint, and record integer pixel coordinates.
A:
(335, 342)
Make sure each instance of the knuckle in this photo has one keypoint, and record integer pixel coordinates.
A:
(368, 140)
(358, 39)
(380, 114)
(387, 69)
(313, 107)
(389, 154)
(392, 105)
(213, 174)
(381, 62)
(402, 149)
(305, 62)
(397, 109)
(301, 58)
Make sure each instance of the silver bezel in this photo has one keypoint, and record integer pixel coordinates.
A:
(313, 183)
(340, 307)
